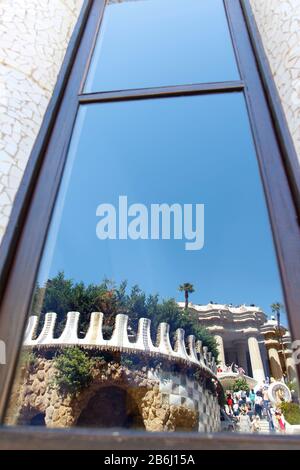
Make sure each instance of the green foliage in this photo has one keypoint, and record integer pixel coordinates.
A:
(240, 384)
(28, 360)
(186, 287)
(291, 412)
(73, 370)
(128, 362)
(62, 295)
(294, 387)
(277, 307)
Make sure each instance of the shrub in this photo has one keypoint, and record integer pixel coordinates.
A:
(240, 384)
(28, 360)
(293, 386)
(291, 412)
(73, 370)
(127, 362)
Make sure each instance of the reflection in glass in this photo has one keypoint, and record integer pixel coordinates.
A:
(91, 355)
(153, 43)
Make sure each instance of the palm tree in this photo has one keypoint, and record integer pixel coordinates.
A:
(277, 308)
(187, 288)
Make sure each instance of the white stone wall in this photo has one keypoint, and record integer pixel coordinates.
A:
(279, 24)
(34, 35)
(33, 39)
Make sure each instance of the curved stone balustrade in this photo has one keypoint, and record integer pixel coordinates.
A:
(242, 309)
(193, 352)
(228, 379)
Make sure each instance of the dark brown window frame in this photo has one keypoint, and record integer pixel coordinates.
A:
(24, 239)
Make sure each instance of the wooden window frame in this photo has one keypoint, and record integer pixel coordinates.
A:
(25, 236)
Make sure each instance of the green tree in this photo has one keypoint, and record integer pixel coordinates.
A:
(240, 384)
(277, 308)
(73, 370)
(62, 295)
(291, 412)
(187, 288)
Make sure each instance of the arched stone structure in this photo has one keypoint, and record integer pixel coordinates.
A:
(175, 387)
(111, 407)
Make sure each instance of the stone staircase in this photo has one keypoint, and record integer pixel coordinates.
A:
(264, 427)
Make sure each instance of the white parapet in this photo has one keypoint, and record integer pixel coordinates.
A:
(193, 352)
(94, 334)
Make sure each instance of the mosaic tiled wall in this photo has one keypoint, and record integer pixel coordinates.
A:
(33, 38)
(279, 25)
(178, 390)
(34, 35)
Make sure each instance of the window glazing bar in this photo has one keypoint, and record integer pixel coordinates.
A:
(221, 87)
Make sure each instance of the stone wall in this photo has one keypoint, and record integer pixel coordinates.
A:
(156, 399)
(34, 35)
(279, 24)
(181, 392)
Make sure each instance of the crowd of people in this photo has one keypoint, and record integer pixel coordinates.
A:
(231, 368)
(248, 408)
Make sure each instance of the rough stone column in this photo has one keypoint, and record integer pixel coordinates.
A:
(220, 344)
(242, 359)
(274, 361)
(290, 365)
(256, 361)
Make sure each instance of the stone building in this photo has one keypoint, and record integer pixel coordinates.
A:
(247, 338)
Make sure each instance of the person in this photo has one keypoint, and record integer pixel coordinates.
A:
(244, 422)
(248, 401)
(281, 421)
(250, 411)
(241, 371)
(243, 396)
(229, 403)
(266, 400)
(270, 415)
(258, 405)
(236, 408)
(252, 397)
(256, 424)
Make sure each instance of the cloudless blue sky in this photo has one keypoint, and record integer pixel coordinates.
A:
(195, 149)
(162, 42)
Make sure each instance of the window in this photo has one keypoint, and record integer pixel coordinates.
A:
(153, 267)
(155, 43)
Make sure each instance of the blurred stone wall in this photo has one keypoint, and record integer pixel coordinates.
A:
(34, 35)
(279, 24)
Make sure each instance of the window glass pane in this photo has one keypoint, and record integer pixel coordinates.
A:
(110, 257)
(150, 43)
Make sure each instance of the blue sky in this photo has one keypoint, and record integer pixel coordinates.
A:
(162, 42)
(195, 149)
